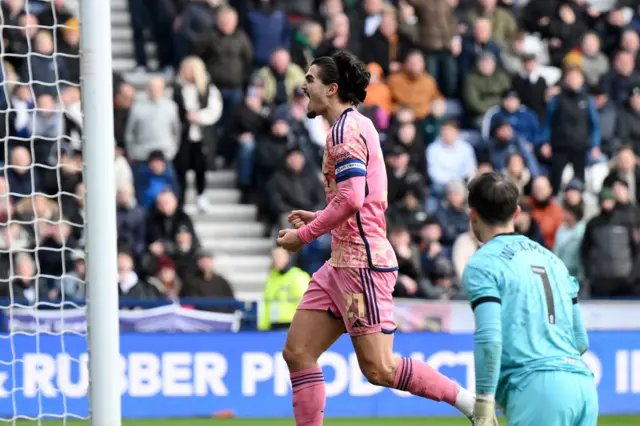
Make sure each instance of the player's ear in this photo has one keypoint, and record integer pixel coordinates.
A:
(517, 213)
(332, 89)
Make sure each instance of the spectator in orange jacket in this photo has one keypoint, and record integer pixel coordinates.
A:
(546, 211)
(378, 93)
(413, 87)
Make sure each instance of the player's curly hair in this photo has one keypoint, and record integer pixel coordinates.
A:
(348, 72)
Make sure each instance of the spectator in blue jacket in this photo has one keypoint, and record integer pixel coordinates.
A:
(154, 178)
(523, 121)
(268, 30)
(479, 42)
(505, 142)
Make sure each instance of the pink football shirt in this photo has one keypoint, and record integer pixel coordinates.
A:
(354, 168)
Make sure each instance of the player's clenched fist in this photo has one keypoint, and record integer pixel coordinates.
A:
(484, 412)
(288, 239)
(299, 218)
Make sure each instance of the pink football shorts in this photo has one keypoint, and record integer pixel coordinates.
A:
(361, 297)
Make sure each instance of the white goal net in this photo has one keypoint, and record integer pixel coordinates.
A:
(43, 345)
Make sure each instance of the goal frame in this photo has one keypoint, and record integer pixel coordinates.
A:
(100, 207)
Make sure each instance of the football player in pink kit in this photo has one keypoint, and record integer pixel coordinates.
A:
(352, 291)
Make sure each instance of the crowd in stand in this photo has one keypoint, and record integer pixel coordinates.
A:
(547, 91)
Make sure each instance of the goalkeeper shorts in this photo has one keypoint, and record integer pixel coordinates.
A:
(554, 398)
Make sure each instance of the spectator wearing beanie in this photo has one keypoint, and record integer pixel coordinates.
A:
(505, 142)
(545, 210)
(523, 121)
(569, 238)
(165, 284)
(575, 195)
(608, 250)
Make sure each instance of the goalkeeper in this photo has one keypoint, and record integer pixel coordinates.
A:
(529, 334)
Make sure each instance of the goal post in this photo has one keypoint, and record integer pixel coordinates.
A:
(101, 234)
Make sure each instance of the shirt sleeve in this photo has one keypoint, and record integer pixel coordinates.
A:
(580, 337)
(347, 149)
(482, 291)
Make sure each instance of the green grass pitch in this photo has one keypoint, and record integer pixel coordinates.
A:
(425, 421)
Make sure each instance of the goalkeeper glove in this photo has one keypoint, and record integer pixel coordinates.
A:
(484, 412)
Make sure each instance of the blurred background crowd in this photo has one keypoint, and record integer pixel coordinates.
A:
(546, 91)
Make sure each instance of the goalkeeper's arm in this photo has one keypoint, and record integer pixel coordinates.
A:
(580, 337)
(487, 351)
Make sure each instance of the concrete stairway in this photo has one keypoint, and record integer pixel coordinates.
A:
(231, 229)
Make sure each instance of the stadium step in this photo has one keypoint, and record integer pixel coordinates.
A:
(120, 17)
(248, 281)
(238, 246)
(120, 4)
(124, 49)
(229, 229)
(122, 34)
(128, 64)
(215, 196)
(230, 264)
(223, 213)
(216, 179)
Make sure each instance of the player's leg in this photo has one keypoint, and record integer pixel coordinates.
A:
(368, 316)
(313, 330)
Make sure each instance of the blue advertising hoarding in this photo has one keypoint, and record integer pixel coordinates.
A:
(183, 375)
